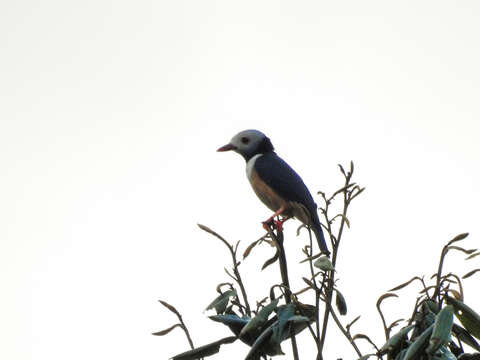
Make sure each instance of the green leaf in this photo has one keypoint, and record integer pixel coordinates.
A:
(475, 356)
(401, 355)
(205, 350)
(441, 329)
(341, 303)
(220, 303)
(324, 263)
(464, 336)
(418, 346)
(284, 313)
(432, 306)
(287, 323)
(393, 344)
(261, 346)
(444, 354)
(469, 318)
(256, 324)
(233, 321)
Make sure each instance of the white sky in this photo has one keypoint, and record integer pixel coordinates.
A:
(110, 115)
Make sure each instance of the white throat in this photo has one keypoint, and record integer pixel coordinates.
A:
(251, 164)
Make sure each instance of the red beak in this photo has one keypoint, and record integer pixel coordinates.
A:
(227, 147)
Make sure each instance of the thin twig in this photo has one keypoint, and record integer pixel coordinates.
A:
(345, 332)
(336, 244)
(233, 253)
(180, 319)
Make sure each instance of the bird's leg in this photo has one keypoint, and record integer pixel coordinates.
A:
(270, 220)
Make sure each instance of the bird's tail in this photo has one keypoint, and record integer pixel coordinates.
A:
(317, 230)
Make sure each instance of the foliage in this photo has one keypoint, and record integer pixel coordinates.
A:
(429, 333)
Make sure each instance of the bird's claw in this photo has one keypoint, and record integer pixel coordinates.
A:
(266, 224)
(277, 224)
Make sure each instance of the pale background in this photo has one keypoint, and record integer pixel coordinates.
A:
(111, 112)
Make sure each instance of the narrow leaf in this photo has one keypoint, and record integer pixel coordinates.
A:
(249, 248)
(393, 344)
(219, 286)
(166, 331)
(220, 302)
(472, 256)
(393, 324)
(261, 345)
(444, 353)
(308, 282)
(464, 336)
(419, 345)
(457, 238)
(441, 329)
(467, 275)
(351, 323)
(341, 303)
(270, 261)
(205, 350)
(365, 357)
(405, 283)
(169, 307)
(207, 229)
(456, 294)
(468, 252)
(255, 324)
(385, 296)
(469, 318)
(234, 322)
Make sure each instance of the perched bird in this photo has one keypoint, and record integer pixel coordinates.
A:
(276, 183)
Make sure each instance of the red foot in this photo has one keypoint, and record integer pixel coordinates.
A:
(277, 224)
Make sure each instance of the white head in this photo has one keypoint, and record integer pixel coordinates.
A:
(249, 143)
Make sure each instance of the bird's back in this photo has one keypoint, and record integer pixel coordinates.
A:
(279, 176)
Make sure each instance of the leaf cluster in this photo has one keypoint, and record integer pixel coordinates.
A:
(430, 332)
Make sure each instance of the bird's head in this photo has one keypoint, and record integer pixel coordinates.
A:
(249, 143)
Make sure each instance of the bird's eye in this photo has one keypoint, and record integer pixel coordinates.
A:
(245, 140)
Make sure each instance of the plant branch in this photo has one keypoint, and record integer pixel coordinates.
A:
(282, 259)
(347, 195)
(344, 331)
(236, 263)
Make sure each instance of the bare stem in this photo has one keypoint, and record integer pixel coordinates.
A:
(436, 294)
(180, 319)
(236, 263)
(278, 240)
(336, 244)
(344, 331)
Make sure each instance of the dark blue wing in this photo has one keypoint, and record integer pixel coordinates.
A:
(278, 175)
(282, 179)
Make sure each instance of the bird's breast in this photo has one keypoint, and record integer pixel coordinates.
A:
(264, 192)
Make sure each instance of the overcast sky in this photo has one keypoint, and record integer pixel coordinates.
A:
(111, 112)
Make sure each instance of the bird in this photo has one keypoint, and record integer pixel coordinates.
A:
(275, 183)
